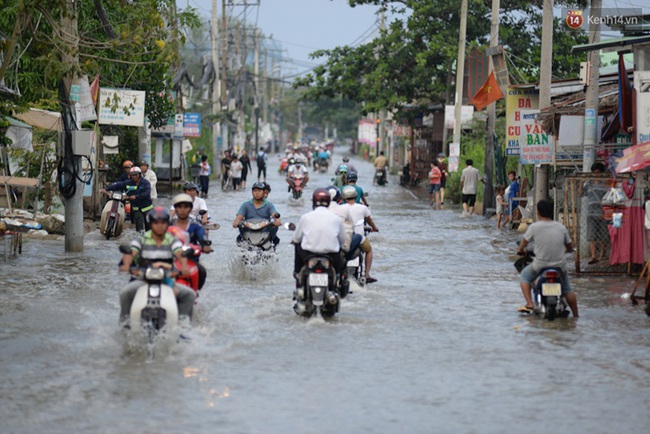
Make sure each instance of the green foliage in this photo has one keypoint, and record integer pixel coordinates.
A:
(410, 61)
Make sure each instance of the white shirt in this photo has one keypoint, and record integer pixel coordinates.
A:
(236, 168)
(357, 211)
(340, 211)
(469, 178)
(297, 169)
(150, 176)
(320, 231)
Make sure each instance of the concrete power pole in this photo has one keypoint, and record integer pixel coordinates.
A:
(256, 97)
(224, 60)
(216, 91)
(488, 168)
(541, 175)
(460, 71)
(591, 98)
(74, 213)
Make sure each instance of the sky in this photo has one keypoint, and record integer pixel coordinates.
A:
(302, 26)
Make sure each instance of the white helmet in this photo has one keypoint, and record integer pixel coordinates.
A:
(182, 198)
(349, 192)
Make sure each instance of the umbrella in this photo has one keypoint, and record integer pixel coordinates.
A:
(634, 158)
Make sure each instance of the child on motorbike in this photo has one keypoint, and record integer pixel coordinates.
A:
(552, 241)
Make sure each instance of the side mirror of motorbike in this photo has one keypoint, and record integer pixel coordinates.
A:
(289, 226)
(276, 215)
(125, 249)
(203, 212)
(365, 194)
(187, 252)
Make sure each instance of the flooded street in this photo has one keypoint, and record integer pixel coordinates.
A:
(434, 346)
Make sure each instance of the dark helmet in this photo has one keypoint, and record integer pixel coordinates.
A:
(352, 176)
(321, 197)
(158, 213)
(190, 186)
(346, 159)
(259, 186)
(335, 193)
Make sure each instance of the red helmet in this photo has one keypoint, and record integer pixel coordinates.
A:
(158, 213)
(127, 164)
(321, 197)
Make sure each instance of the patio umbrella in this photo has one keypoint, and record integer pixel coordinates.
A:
(634, 158)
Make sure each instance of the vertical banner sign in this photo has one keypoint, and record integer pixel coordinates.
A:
(192, 125)
(178, 126)
(536, 146)
(517, 100)
(642, 86)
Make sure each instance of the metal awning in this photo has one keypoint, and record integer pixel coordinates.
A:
(619, 42)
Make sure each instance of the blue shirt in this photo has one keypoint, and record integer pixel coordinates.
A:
(248, 210)
(514, 192)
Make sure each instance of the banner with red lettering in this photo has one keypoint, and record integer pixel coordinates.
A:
(536, 145)
(517, 99)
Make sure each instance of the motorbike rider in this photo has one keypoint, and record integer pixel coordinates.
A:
(346, 163)
(258, 207)
(380, 163)
(361, 195)
(551, 240)
(156, 247)
(182, 204)
(359, 212)
(340, 180)
(139, 193)
(198, 204)
(319, 232)
(296, 168)
(126, 174)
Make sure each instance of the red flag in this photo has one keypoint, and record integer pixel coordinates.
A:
(94, 89)
(488, 93)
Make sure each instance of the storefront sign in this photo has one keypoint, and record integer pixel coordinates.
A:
(536, 146)
(642, 86)
(516, 101)
(121, 107)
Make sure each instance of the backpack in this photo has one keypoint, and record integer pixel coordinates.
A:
(260, 160)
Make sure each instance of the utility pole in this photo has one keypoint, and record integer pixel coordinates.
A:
(488, 168)
(224, 60)
(381, 139)
(591, 95)
(256, 70)
(460, 71)
(74, 213)
(541, 174)
(216, 92)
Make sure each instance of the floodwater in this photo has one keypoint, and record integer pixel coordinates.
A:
(434, 346)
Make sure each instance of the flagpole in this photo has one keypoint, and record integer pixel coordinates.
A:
(460, 72)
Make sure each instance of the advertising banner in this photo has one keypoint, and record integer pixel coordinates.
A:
(517, 100)
(121, 107)
(642, 86)
(536, 146)
(192, 125)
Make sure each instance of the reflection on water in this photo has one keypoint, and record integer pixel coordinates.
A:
(434, 343)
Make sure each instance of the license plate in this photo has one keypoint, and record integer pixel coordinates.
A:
(353, 262)
(551, 289)
(316, 279)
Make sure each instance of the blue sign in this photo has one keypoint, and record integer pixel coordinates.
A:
(192, 125)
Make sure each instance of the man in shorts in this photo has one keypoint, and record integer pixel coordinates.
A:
(468, 184)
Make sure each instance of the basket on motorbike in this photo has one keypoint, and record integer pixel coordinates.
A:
(195, 170)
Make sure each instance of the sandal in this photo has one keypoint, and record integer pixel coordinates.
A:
(525, 309)
(370, 280)
(592, 261)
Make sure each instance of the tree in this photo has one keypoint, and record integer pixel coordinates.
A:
(408, 63)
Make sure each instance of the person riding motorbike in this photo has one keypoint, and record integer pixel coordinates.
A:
(346, 163)
(551, 240)
(380, 163)
(156, 247)
(126, 174)
(296, 168)
(258, 207)
(359, 212)
(361, 195)
(198, 204)
(182, 204)
(139, 193)
(341, 179)
(319, 232)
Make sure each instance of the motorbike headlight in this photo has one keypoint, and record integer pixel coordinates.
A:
(256, 226)
(154, 274)
(117, 196)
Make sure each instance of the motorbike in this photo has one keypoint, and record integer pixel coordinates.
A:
(322, 165)
(154, 308)
(355, 260)
(113, 215)
(380, 176)
(256, 239)
(284, 165)
(548, 301)
(296, 185)
(317, 294)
